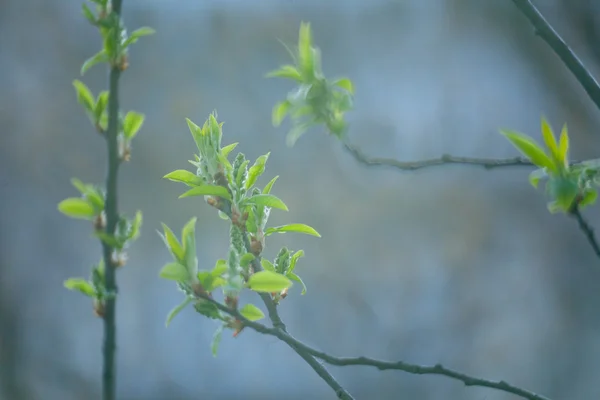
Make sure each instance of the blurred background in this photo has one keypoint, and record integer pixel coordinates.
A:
(453, 264)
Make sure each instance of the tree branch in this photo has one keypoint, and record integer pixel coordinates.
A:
(587, 230)
(112, 218)
(279, 326)
(562, 50)
(487, 163)
(437, 369)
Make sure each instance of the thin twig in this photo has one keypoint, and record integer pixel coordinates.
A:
(568, 57)
(437, 369)
(487, 163)
(279, 325)
(587, 230)
(112, 218)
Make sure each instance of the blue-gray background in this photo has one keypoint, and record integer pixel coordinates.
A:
(455, 264)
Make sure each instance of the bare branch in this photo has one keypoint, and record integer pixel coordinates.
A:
(562, 50)
(304, 350)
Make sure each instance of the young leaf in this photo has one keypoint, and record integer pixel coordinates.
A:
(136, 224)
(297, 255)
(256, 170)
(267, 281)
(172, 243)
(188, 237)
(216, 340)
(138, 33)
(228, 149)
(269, 185)
(208, 190)
(301, 228)
(267, 265)
(99, 57)
(296, 278)
(246, 259)
(220, 268)
(536, 176)
(176, 310)
(563, 148)
(529, 148)
(101, 103)
(84, 96)
(186, 177)
(251, 312)
(346, 84)
(77, 208)
(80, 285)
(267, 200)
(132, 123)
(305, 53)
(589, 198)
(175, 272)
(549, 139)
(280, 110)
(87, 13)
(286, 72)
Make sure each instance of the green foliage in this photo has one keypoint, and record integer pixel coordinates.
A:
(316, 100)
(230, 187)
(268, 281)
(567, 186)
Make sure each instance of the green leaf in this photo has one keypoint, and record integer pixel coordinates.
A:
(188, 238)
(80, 285)
(101, 103)
(589, 198)
(176, 310)
(269, 185)
(84, 96)
(305, 53)
(228, 149)
(216, 340)
(301, 228)
(186, 177)
(175, 272)
(286, 72)
(88, 14)
(563, 190)
(297, 255)
(172, 243)
(208, 309)
(197, 134)
(99, 57)
(256, 170)
(267, 200)
(267, 265)
(91, 193)
(138, 33)
(132, 123)
(296, 278)
(77, 208)
(267, 281)
(536, 176)
(346, 84)
(246, 259)
(208, 190)
(563, 148)
(530, 149)
(109, 239)
(549, 139)
(220, 268)
(280, 110)
(251, 312)
(136, 224)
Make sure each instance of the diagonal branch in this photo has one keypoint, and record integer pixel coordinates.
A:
(279, 326)
(437, 369)
(562, 50)
(587, 230)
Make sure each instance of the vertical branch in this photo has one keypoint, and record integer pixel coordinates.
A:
(112, 217)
